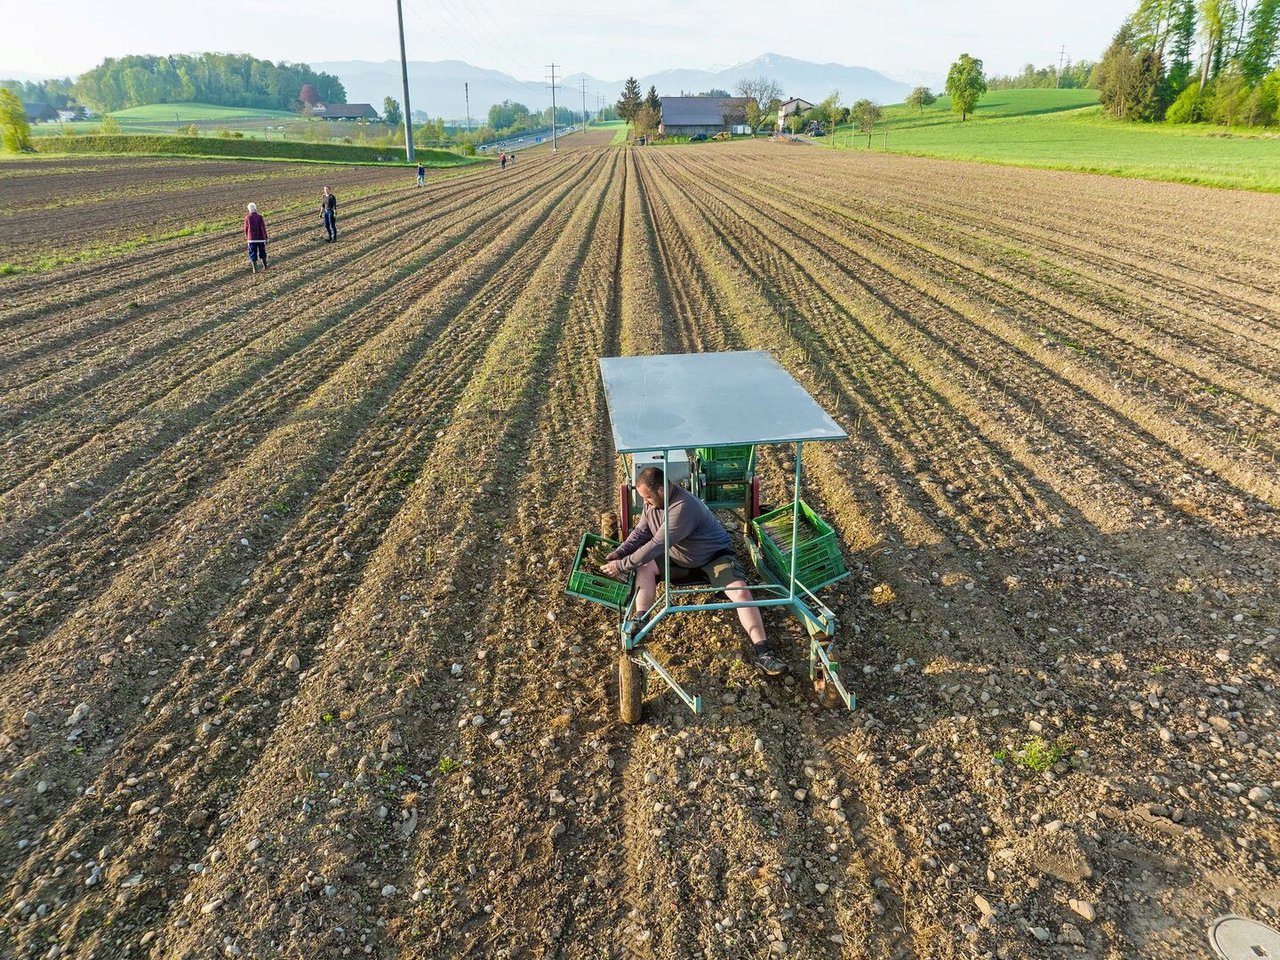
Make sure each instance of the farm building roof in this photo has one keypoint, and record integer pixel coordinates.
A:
(702, 111)
(39, 111)
(344, 111)
(684, 400)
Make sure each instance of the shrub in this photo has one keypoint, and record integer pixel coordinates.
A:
(1188, 107)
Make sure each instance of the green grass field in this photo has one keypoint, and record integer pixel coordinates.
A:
(1066, 130)
(194, 112)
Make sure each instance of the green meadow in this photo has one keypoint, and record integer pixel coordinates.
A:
(1066, 130)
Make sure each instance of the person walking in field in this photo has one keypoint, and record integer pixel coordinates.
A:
(422, 175)
(699, 544)
(255, 232)
(329, 213)
(503, 159)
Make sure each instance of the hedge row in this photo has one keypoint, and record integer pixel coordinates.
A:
(242, 148)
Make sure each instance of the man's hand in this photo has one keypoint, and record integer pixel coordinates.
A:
(610, 569)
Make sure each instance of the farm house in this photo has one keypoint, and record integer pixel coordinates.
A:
(795, 107)
(685, 116)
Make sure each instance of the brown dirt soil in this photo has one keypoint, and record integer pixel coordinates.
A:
(50, 207)
(288, 668)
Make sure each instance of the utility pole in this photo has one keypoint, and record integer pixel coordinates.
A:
(1062, 54)
(583, 81)
(404, 76)
(466, 92)
(552, 68)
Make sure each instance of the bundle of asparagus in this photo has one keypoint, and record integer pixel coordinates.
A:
(779, 531)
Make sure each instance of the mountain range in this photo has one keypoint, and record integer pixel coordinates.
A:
(436, 88)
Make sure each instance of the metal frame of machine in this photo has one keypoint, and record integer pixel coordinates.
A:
(673, 403)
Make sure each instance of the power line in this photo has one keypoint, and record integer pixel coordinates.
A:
(552, 68)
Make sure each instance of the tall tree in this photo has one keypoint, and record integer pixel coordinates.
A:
(14, 127)
(965, 85)
(1182, 39)
(631, 100)
(391, 111)
(1262, 41)
(919, 98)
(866, 115)
(1217, 20)
(1129, 79)
(761, 89)
(653, 101)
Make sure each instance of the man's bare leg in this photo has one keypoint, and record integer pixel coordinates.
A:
(646, 587)
(749, 617)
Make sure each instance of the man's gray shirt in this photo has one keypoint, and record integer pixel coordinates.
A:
(697, 536)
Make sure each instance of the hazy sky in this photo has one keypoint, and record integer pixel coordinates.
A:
(608, 41)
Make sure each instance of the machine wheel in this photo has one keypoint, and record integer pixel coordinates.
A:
(630, 690)
(624, 510)
(609, 525)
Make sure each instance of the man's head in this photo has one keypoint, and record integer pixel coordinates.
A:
(649, 485)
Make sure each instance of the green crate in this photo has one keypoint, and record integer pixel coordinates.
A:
(818, 557)
(727, 463)
(593, 585)
(725, 491)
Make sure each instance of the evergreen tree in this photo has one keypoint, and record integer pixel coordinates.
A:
(1182, 40)
(631, 101)
(1129, 79)
(1261, 42)
(653, 101)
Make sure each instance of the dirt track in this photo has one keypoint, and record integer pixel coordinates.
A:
(298, 540)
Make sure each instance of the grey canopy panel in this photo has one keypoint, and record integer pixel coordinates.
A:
(683, 400)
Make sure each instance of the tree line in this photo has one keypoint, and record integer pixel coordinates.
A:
(1072, 76)
(1184, 61)
(224, 79)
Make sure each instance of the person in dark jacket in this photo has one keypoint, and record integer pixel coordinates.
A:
(698, 543)
(422, 175)
(255, 232)
(329, 213)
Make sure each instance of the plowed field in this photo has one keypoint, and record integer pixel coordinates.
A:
(287, 669)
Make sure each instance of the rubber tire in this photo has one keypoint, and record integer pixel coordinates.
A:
(630, 691)
(609, 525)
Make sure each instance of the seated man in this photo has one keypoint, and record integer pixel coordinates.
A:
(698, 542)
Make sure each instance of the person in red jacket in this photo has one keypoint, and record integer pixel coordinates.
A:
(255, 232)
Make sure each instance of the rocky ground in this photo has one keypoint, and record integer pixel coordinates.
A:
(287, 669)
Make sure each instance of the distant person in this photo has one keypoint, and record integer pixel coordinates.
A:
(329, 213)
(512, 158)
(422, 175)
(255, 232)
(503, 159)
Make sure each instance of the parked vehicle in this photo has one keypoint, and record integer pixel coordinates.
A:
(698, 138)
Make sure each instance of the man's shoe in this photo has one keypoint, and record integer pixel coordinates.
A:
(768, 664)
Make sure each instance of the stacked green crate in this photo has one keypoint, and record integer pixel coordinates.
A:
(587, 582)
(728, 471)
(727, 463)
(818, 558)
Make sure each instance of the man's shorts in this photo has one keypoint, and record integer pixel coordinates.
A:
(719, 572)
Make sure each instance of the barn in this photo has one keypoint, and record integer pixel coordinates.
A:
(685, 116)
(344, 111)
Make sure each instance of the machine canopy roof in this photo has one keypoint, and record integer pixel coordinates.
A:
(686, 400)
